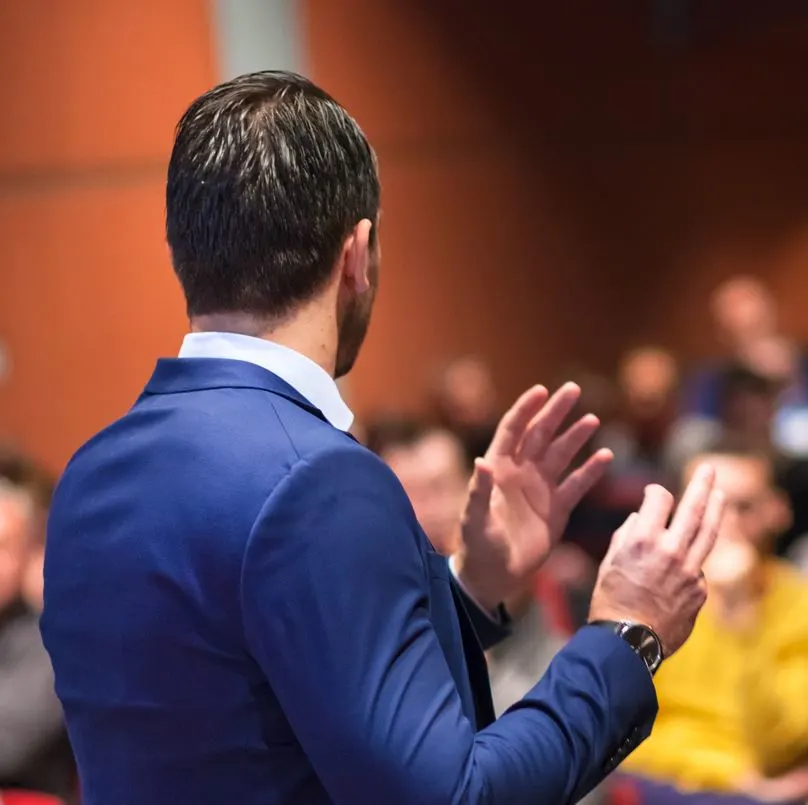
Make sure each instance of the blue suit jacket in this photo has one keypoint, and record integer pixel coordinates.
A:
(241, 607)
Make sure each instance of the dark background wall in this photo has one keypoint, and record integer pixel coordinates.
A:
(560, 180)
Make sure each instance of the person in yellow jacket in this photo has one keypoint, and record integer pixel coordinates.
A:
(734, 700)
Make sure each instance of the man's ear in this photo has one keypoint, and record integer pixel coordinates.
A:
(355, 256)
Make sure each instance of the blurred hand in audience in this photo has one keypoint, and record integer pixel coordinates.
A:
(787, 788)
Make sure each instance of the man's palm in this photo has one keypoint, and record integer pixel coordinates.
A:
(519, 500)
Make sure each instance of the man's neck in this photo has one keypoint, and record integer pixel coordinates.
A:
(306, 332)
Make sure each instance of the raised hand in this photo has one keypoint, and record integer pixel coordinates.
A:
(519, 498)
(652, 573)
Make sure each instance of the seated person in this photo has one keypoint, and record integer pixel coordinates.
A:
(37, 484)
(34, 749)
(465, 402)
(432, 466)
(734, 701)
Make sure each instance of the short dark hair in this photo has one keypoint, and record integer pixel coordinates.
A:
(32, 480)
(737, 446)
(267, 178)
(738, 379)
(22, 472)
(389, 432)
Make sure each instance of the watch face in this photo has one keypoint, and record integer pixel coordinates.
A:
(645, 643)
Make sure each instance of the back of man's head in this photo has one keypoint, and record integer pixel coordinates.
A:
(267, 177)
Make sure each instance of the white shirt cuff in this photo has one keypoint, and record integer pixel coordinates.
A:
(492, 616)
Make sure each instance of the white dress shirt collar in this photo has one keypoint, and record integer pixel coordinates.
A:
(301, 373)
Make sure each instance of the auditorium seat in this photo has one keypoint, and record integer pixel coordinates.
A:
(27, 798)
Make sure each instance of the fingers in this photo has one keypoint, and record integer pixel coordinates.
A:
(621, 535)
(653, 515)
(705, 539)
(542, 429)
(691, 510)
(578, 483)
(480, 489)
(512, 426)
(564, 448)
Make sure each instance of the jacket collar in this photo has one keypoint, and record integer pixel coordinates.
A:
(306, 377)
(178, 375)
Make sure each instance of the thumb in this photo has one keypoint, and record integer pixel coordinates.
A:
(480, 489)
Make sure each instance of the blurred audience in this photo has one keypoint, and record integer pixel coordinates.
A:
(733, 702)
(466, 403)
(515, 664)
(647, 381)
(434, 470)
(733, 724)
(747, 405)
(34, 750)
(637, 413)
(745, 316)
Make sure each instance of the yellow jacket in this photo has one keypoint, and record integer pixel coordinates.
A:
(735, 703)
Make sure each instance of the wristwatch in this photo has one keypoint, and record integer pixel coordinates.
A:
(643, 640)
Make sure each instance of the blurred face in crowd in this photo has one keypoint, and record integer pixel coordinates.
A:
(434, 475)
(467, 395)
(33, 586)
(773, 357)
(743, 310)
(648, 377)
(15, 530)
(755, 512)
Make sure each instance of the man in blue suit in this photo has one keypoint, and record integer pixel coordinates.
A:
(240, 605)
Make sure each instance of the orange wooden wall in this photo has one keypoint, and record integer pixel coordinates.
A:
(90, 92)
(556, 185)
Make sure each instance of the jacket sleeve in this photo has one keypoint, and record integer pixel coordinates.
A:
(335, 598)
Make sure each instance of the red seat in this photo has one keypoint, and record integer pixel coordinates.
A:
(621, 791)
(27, 798)
(550, 595)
